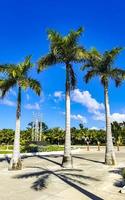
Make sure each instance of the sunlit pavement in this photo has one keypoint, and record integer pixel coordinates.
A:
(43, 178)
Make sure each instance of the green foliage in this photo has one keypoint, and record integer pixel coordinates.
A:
(6, 136)
(118, 130)
(30, 148)
(102, 65)
(55, 136)
(65, 50)
(5, 152)
(17, 75)
(51, 148)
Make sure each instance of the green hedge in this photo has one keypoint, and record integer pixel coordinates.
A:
(51, 148)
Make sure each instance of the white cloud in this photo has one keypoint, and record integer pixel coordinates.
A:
(114, 117)
(42, 98)
(93, 106)
(99, 116)
(7, 102)
(34, 106)
(79, 118)
(59, 95)
(94, 128)
(86, 99)
(118, 117)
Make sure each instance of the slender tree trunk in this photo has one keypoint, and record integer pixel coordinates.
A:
(67, 160)
(15, 163)
(110, 153)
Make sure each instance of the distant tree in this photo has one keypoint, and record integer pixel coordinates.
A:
(118, 131)
(81, 126)
(6, 136)
(44, 126)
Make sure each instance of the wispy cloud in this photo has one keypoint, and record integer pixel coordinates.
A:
(7, 102)
(77, 117)
(34, 106)
(59, 95)
(99, 116)
(42, 98)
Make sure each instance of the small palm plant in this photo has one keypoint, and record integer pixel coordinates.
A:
(65, 50)
(102, 65)
(17, 75)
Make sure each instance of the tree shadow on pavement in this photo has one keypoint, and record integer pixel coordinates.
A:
(6, 158)
(71, 177)
(81, 157)
(44, 157)
(120, 182)
(48, 158)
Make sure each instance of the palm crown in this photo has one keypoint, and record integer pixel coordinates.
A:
(18, 75)
(102, 65)
(64, 50)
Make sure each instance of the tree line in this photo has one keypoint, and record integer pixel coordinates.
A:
(68, 51)
(55, 136)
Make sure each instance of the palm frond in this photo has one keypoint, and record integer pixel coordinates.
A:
(53, 36)
(118, 75)
(7, 68)
(81, 55)
(44, 62)
(32, 84)
(25, 66)
(6, 85)
(73, 36)
(110, 56)
(90, 74)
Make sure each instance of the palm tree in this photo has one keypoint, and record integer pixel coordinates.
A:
(65, 50)
(102, 65)
(17, 75)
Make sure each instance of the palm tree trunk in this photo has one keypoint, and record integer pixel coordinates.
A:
(15, 163)
(109, 154)
(67, 160)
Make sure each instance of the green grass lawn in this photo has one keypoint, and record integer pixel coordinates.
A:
(5, 152)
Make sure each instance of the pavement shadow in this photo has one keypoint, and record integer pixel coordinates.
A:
(96, 161)
(72, 177)
(118, 183)
(48, 158)
(44, 157)
(6, 158)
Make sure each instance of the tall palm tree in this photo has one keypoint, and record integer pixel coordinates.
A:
(65, 50)
(102, 65)
(17, 75)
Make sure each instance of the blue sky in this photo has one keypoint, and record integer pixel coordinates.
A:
(23, 32)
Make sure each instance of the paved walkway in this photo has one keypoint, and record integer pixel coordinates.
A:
(42, 178)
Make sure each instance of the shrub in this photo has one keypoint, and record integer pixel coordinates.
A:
(30, 148)
(51, 148)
